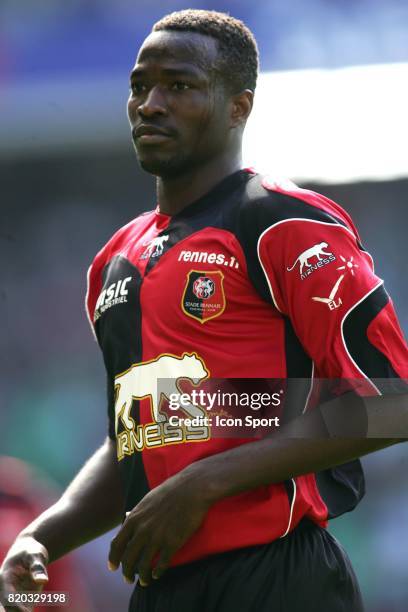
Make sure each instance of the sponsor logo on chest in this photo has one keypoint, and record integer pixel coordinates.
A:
(220, 259)
(157, 380)
(115, 294)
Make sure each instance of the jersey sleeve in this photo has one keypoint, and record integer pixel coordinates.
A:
(321, 278)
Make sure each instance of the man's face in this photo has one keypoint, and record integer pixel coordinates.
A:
(178, 109)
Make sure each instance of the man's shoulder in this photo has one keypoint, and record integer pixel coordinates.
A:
(123, 235)
(271, 200)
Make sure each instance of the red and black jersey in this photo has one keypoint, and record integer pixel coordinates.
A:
(253, 280)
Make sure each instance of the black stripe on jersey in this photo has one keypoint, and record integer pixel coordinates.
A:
(116, 325)
(341, 487)
(207, 211)
(118, 330)
(299, 370)
(263, 209)
(369, 359)
(298, 363)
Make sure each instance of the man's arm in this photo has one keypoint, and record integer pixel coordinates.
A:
(310, 443)
(91, 505)
(169, 514)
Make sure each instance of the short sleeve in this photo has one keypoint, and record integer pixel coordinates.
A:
(319, 276)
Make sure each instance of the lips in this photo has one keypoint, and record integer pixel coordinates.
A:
(150, 133)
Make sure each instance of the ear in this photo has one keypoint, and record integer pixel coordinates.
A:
(241, 106)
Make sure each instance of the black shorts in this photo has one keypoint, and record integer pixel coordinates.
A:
(307, 571)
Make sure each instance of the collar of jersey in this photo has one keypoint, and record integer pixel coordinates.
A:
(228, 184)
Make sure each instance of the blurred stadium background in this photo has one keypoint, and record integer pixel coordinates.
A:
(331, 113)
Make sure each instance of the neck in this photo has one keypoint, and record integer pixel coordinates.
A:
(174, 194)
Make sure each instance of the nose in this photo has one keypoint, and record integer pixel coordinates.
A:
(153, 104)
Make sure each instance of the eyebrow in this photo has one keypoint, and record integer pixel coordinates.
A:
(185, 71)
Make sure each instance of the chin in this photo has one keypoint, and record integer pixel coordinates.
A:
(164, 167)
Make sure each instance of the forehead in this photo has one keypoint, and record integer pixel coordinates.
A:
(191, 48)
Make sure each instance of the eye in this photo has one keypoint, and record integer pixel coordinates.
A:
(137, 88)
(180, 86)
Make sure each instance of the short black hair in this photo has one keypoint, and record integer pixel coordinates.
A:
(238, 52)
